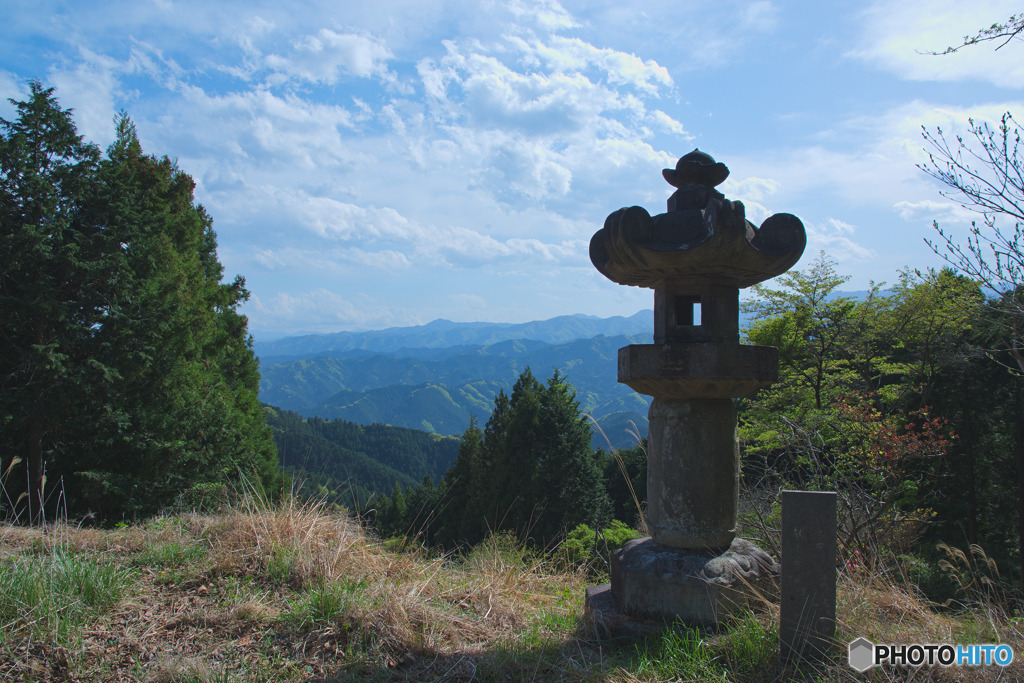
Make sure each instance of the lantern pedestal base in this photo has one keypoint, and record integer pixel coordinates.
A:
(655, 583)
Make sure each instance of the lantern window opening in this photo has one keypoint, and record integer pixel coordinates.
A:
(688, 310)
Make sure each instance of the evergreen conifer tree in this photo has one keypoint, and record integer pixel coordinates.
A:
(127, 367)
(46, 176)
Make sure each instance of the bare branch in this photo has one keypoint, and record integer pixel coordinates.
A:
(984, 172)
(999, 32)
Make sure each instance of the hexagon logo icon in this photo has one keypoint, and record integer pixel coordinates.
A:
(862, 654)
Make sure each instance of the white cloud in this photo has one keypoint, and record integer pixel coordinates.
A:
(933, 210)
(751, 189)
(568, 55)
(668, 124)
(546, 14)
(327, 55)
(256, 126)
(331, 260)
(415, 146)
(382, 238)
(90, 88)
(836, 238)
(318, 310)
(11, 88)
(336, 220)
(539, 117)
(466, 248)
(898, 34)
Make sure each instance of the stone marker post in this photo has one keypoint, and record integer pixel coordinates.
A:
(808, 601)
(695, 257)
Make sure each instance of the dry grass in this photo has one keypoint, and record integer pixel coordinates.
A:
(296, 593)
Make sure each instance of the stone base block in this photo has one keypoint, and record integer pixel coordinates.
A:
(654, 582)
(605, 620)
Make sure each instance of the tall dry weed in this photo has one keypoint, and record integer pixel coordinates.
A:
(396, 603)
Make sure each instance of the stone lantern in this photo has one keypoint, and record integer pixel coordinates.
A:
(695, 257)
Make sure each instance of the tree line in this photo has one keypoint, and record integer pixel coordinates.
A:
(531, 470)
(907, 402)
(127, 375)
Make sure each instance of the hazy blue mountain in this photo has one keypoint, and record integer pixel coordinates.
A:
(440, 395)
(442, 334)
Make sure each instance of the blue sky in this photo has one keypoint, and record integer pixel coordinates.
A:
(387, 163)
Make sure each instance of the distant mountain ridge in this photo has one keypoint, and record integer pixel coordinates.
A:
(441, 395)
(443, 334)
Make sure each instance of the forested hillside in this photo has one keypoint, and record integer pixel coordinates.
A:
(441, 395)
(348, 463)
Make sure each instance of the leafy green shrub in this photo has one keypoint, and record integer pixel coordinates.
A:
(583, 545)
(929, 578)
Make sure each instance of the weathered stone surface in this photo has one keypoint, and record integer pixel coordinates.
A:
(697, 370)
(808, 606)
(605, 619)
(703, 235)
(696, 257)
(692, 473)
(652, 581)
(677, 300)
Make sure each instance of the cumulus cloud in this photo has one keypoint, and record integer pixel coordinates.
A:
(666, 123)
(342, 221)
(559, 96)
(546, 14)
(327, 55)
(252, 127)
(382, 238)
(561, 54)
(467, 248)
(541, 115)
(751, 188)
(338, 144)
(90, 86)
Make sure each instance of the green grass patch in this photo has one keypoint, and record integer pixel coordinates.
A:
(324, 604)
(750, 648)
(52, 595)
(279, 565)
(170, 555)
(680, 652)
